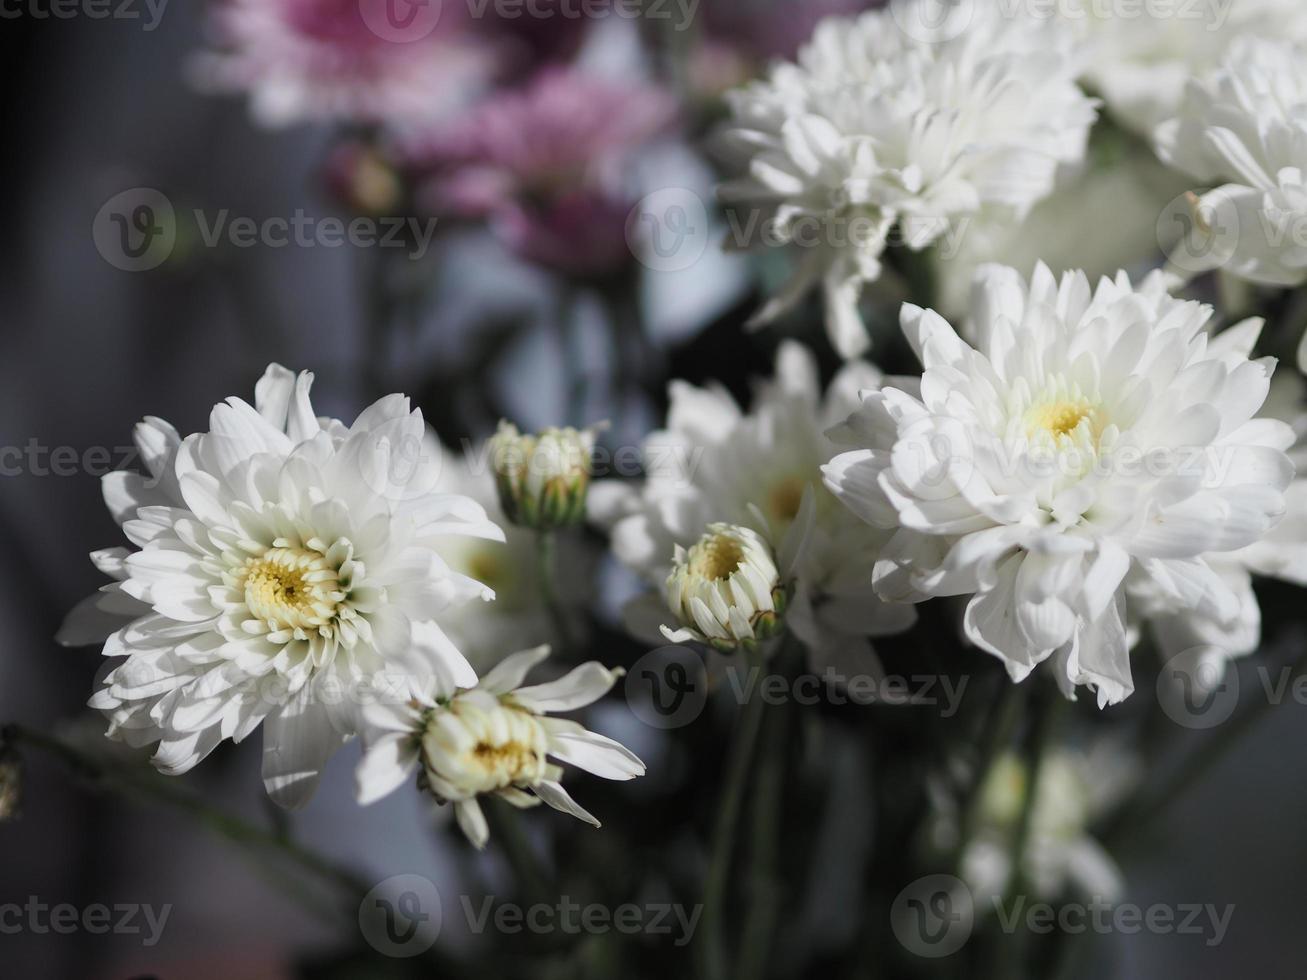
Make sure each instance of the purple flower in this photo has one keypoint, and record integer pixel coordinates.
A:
(549, 166)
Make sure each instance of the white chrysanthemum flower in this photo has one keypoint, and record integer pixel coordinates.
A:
(1200, 646)
(878, 127)
(1092, 440)
(1141, 56)
(482, 631)
(493, 738)
(725, 590)
(716, 464)
(1246, 123)
(543, 479)
(1073, 790)
(285, 564)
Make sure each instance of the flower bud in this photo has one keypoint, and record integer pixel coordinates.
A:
(480, 744)
(726, 590)
(543, 479)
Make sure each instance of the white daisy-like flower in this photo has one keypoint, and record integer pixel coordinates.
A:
(1090, 441)
(726, 590)
(492, 738)
(877, 128)
(1142, 56)
(285, 567)
(717, 464)
(1246, 124)
(1073, 790)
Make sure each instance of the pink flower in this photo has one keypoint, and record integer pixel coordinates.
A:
(364, 61)
(549, 166)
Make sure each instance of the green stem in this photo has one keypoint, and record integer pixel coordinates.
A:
(1046, 713)
(760, 917)
(546, 547)
(712, 949)
(148, 786)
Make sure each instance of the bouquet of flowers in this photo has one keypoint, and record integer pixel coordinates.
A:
(903, 464)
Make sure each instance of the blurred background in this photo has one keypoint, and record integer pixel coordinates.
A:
(496, 318)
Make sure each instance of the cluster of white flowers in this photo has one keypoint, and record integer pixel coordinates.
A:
(760, 473)
(1084, 464)
(290, 570)
(893, 123)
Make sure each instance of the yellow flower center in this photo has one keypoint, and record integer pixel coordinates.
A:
(292, 588)
(715, 558)
(1066, 419)
(506, 762)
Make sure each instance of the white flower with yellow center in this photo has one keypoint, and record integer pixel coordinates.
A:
(715, 464)
(1243, 126)
(1091, 441)
(881, 129)
(285, 566)
(492, 739)
(725, 590)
